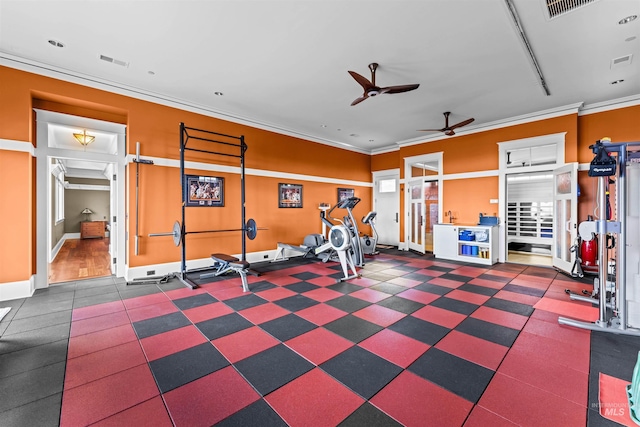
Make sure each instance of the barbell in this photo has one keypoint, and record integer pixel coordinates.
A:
(178, 232)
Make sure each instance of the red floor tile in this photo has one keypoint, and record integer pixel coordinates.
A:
(545, 374)
(414, 401)
(532, 281)
(321, 314)
(275, 294)
(530, 406)
(545, 316)
(407, 283)
(170, 342)
(418, 296)
(245, 343)
(432, 273)
(481, 352)
(150, 311)
(481, 417)
(323, 294)
(500, 317)
(396, 272)
(487, 283)
(580, 338)
(96, 341)
(298, 402)
(319, 345)
(570, 309)
(323, 280)
(263, 313)
(369, 295)
(562, 353)
(516, 297)
(395, 347)
(210, 399)
(470, 297)
(613, 403)
(379, 315)
(282, 280)
(100, 364)
(439, 316)
(470, 271)
(98, 323)
(107, 396)
(184, 293)
(207, 312)
(227, 293)
(96, 310)
(507, 274)
(151, 413)
(367, 282)
(453, 284)
(152, 299)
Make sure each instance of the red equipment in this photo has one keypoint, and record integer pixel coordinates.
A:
(589, 255)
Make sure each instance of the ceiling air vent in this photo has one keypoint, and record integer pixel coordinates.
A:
(619, 62)
(114, 61)
(557, 8)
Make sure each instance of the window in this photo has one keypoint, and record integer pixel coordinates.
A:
(387, 186)
(58, 192)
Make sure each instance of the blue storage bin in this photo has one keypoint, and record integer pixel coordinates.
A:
(467, 235)
(474, 250)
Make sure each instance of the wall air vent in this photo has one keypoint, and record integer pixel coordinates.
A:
(556, 8)
(114, 61)
(621, 61)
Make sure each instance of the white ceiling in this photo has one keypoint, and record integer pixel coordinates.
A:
(282, 65)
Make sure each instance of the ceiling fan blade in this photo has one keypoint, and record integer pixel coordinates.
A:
(399, 89)
(359, 100)
(466, 122)
(450, 132)
(366, 84)
(431, 130)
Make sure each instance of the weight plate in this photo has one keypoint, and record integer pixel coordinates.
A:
(177, 233)
(252, 229)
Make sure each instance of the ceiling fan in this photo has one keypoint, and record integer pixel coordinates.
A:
(370, 88)
(448, 130)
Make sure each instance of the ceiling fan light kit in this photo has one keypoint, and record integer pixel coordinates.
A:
(370, 88)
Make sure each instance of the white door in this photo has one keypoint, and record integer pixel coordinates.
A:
(416, 215)
(113, 213)
(386, 203)
(565, 214)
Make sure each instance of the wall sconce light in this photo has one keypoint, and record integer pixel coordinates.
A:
(86, 212)
(83, 138)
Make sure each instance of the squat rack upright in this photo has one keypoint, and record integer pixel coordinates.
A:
(236, 150)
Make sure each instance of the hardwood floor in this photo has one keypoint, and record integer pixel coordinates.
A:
(81, 259)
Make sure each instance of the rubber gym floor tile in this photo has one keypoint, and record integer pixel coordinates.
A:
(100, 364)
(151, 412)
(534, 271)
(184, 292)
(244, 343)
(142, 301)
(98, 323)
(370, 295)
(348, 303)
(439, 316)
(273, 368)
(97, 310)
(160, 324)
(185, 366)
(497, 277)
(301, 287)
(375, 275)
(456, 277)
(394, 347)
(326, 281)
(500, 317)
(189, 405)
(258, 410)
(511, 399)
(433, 289)
(88, 343)
(353, 328)
(305, 275)
(244, 302)
(488, 331)
(481, 352)
(361, 371)
(469, 271)
(261, 285)
(562, 353)
(462, 377)
(323, 294)
(194, 301)
(379, 315)
(166, 343)
(487, 283)
(282, 280)
(321, 314)
(513, 307)
(388, 288)
(414, 401)
(393, 272)
(476, 289)
(516, 297)
(223, 325)
(469, 297)
(426, 332)
(402, 305)
(418, 296)
(151, 311)
(430, 273)
(440, 268)
(296, 302)
(293, 400)
(417, 276)
(106, 396)
(286, 327)
(458, 306)
(539, 293)
(532, 282)
(586, 313)
(481, 417)
(407, 268)
(228, 293)
(369, 415)
(579, 338)
(207, 312)
(263, 313)
(276, 294)
(453, 284)
(318, 345)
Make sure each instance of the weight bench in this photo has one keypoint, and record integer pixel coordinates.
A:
(225, 263)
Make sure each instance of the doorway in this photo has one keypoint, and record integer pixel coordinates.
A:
(386, 203)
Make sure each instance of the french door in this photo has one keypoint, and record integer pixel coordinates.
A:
(565, 214)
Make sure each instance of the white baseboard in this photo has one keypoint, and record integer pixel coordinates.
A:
(15, 290)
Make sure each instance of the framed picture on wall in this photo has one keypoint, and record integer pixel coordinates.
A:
(204, 191)
(289, 196)
(345, 193)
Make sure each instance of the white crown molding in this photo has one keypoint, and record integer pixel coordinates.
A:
(614, 104)
(12, 145)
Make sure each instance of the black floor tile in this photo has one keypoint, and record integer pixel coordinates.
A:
(451, 304)
(259, 413)
(369, 415)
(438, 268)
(361, 371)
(433, 289)
(345, 287)
(419, 276)
(488, 331)
(245, 301)
(182, 367)
(494, 278)
(273, 368)
(594, 419)
(30, 386)
(194, 301)
(223, 326)
(545, 272)
(35, 322)
(459, 376)
(296, 303)
(525, 290)
(260, 286)
(476, 289)
(400, 304)
(510, 306)
(301, 287)
(406, 268)
(426, 332)
(388, 288)
(286, 327)
(456, 277)
(160, 324)
(31, 358)
(33, 338)
(348, 303)
(305, 275)
(353, 328)
(43, 412)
